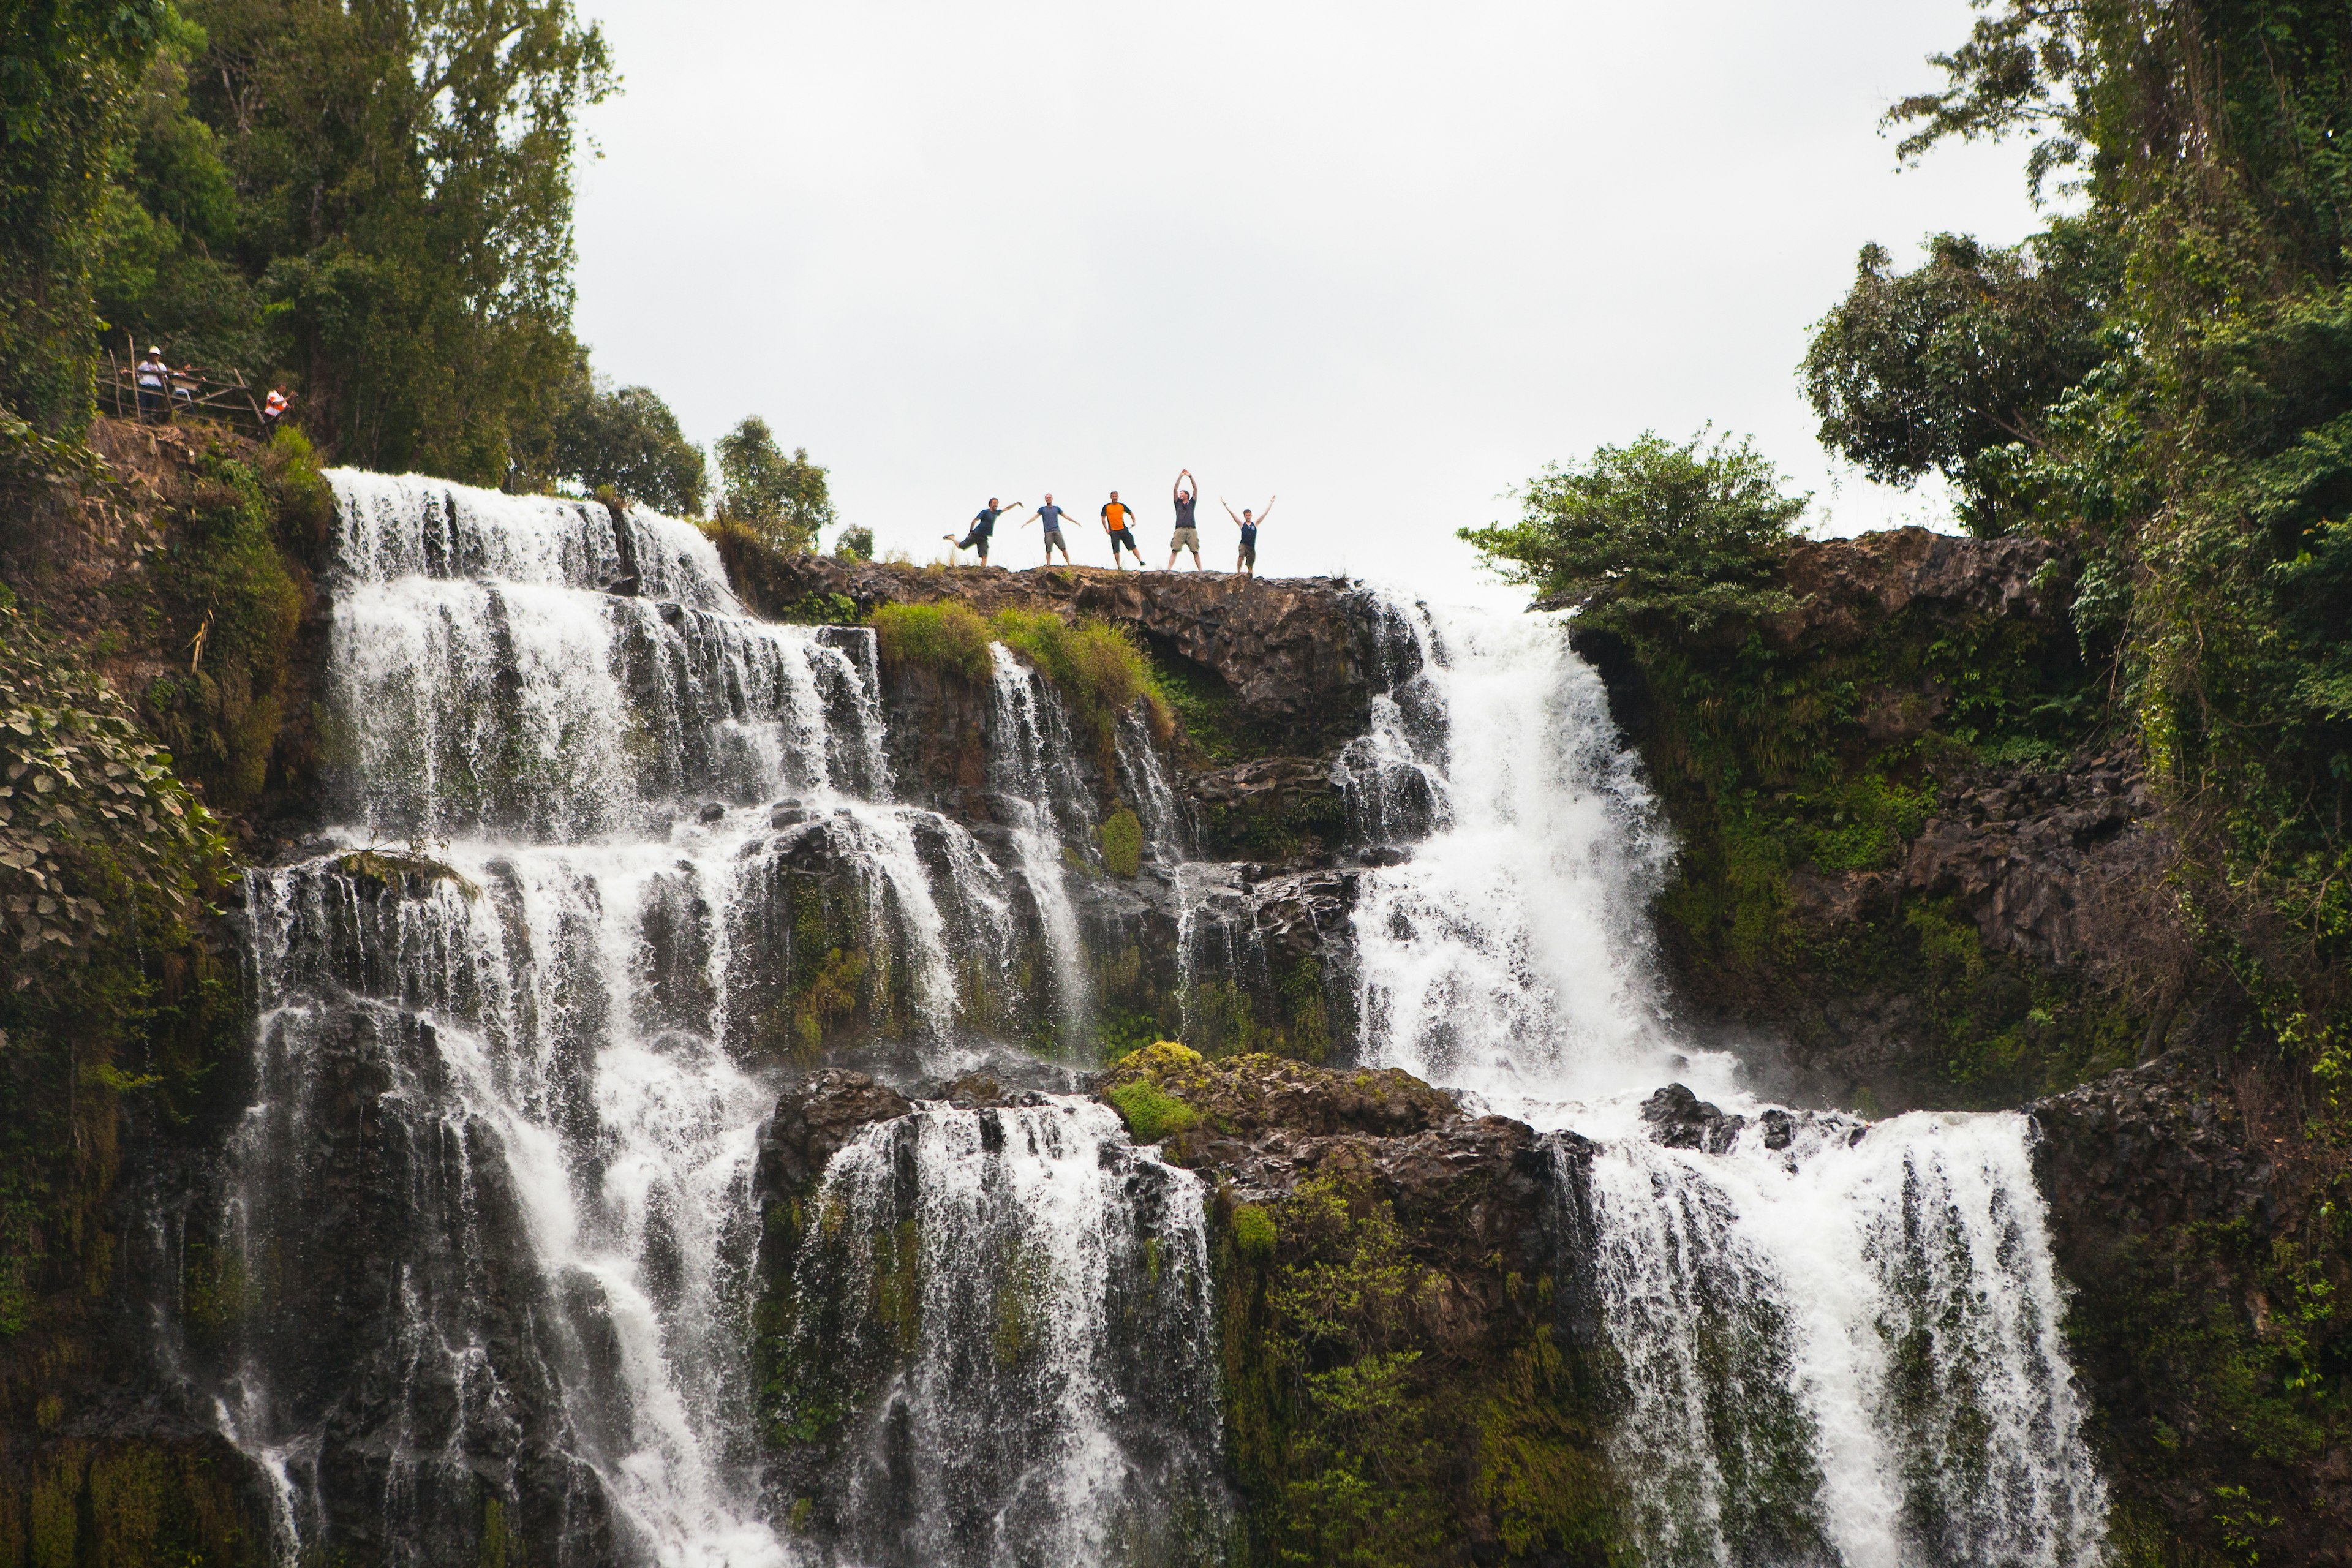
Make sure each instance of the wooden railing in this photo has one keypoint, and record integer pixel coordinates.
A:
(204, 394)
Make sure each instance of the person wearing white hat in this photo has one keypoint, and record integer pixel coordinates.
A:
(154, 379)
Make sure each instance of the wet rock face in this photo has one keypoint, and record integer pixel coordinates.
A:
(2185, 1208)
(1680, 1120)
(813, 1119)
(1287, 649)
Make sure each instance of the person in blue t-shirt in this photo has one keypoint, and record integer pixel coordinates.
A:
(1052, 515)
(983, 523)
(1246, 561)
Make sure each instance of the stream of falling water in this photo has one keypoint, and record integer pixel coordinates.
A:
(495, 1191)
(1840, 1342)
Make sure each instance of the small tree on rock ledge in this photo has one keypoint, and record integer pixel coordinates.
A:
(1692, 533)
(784, 500)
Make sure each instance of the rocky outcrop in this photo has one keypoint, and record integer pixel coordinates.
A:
(2189, 1209)
(1372, 1233)
(813, 1119)
(1289, 650)
(1846, 590)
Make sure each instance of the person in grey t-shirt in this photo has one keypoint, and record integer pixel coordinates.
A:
(1051, 516)
(1187, 536)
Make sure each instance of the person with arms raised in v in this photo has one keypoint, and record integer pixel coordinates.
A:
(1052, 516)
(1187, 536)
(1116, 517)
(1246, 561)
(983, 523)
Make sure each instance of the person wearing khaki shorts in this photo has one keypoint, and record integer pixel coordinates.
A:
(1246, 561)
(1187, 536)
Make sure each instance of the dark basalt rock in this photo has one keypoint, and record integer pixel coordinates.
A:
(2182, 1194)
(1289, 650)
(1681, 1120)
(813, 1119)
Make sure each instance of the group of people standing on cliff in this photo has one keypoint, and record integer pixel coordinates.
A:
(1119, 521)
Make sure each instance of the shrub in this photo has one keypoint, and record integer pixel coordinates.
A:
(1096, 666)
(1253, 1234)
(948, 638)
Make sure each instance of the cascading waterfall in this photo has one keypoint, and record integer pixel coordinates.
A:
(615, 857)
(1838, 1343)
(1017, 1303)
(1032, 777)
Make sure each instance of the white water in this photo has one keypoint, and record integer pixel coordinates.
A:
(569, 1045)
(1845, 1351)
(1031, 764)
(1050, 1394)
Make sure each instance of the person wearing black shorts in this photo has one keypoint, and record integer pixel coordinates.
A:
(1118, 518)
(1246, 561)
(983, 523)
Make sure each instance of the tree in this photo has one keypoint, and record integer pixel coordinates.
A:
(781, 499)
(400, 239)
(1691, 532)
(1955, 365)
(854, 545)
(630, 440)
(66, 70)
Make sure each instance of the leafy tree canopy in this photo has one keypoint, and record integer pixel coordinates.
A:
(1690, 532)
(66, 70)
(1955, 365)
(782, 498)
(628, 439)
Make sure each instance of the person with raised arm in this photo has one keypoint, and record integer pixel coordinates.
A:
(1187, 536)
(1246, 561)
(1052, 516)
(983, 523)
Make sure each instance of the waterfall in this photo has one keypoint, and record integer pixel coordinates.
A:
(1016, 1303)
(1045, 804)
(1835, 1342)
(613, 861)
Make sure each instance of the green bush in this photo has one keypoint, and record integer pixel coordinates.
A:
(1095, 666)
(949, 638)
(1254, 1233)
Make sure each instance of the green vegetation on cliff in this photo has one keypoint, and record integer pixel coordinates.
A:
(106, 869)
(1096, 666)
(2165, 384)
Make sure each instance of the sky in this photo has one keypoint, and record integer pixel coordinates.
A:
(1382, 261)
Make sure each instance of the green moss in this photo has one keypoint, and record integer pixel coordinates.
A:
(1122, 842)
(392, 869)
(1254, 1233)
(1151, 1112)
(1358, 1436)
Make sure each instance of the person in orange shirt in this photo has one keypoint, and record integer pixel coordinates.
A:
(1118, 520)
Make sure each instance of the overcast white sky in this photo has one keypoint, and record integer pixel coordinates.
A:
(1386, 260)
